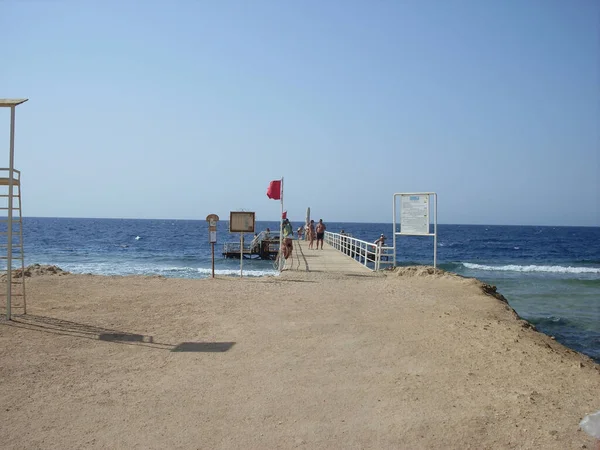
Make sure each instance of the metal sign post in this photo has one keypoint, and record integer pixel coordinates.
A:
(212, 220)
(241, 222)
(241, 254)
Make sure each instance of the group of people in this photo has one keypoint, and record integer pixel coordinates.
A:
(317, 232)
(311, 232)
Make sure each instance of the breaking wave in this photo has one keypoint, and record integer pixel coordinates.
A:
(166, 271)
(533, 268)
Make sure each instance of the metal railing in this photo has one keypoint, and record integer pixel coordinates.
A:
(254, 244)
(264, 235)
(370, 255)
(231, 247)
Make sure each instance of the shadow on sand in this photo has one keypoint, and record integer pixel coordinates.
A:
(288, 280)
(80, 330)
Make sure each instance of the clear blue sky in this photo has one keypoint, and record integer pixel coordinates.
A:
(178, 109)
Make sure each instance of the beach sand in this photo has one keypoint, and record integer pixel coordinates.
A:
(401, 360)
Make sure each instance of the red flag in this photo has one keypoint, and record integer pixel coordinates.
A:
(284, 215)
(274, 190)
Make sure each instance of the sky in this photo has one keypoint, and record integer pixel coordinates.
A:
(179, 109)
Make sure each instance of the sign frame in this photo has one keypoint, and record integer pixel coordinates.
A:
(212, 220)
(413, 217)
(242, 221)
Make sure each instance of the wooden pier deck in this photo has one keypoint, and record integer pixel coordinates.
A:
(327, 260)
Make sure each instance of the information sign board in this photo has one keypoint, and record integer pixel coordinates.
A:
(241, 222)
(414, 214)
(415, 211)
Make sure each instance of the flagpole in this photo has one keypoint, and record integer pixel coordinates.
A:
(281, 230)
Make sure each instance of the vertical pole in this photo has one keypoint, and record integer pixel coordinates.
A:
(435, 231)
(213, 258)
(10, 214)
(281, 260)
(394, 225)
(241, 253)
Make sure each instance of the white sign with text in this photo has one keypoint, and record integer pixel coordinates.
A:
(414, 214)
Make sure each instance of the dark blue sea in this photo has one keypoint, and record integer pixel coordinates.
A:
(550, 275)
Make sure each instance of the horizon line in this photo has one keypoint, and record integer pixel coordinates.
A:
(301, 220)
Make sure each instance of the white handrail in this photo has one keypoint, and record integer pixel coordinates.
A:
(366, 253)
(18, 172)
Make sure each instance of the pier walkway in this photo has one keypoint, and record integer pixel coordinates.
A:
(328, 260)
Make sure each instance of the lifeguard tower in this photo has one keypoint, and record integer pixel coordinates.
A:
(11, 224)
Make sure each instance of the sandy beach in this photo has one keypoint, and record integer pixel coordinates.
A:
(403, 360)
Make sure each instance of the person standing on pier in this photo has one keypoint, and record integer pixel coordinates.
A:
(310, 234)
(288, 234)
(320, 233)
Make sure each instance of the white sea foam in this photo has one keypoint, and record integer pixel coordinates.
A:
(533, 268)
(178, 271)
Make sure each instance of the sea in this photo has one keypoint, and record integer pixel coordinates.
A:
(549, 275)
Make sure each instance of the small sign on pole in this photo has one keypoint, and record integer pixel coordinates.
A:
(212, 220)
(241, 222)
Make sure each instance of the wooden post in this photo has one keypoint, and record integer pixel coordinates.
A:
(213, 259)
(212, 220)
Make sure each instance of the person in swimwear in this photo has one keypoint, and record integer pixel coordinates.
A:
(320, 233)
(311, 233)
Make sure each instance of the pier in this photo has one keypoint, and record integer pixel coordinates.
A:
(328, 260)
(340, 254)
